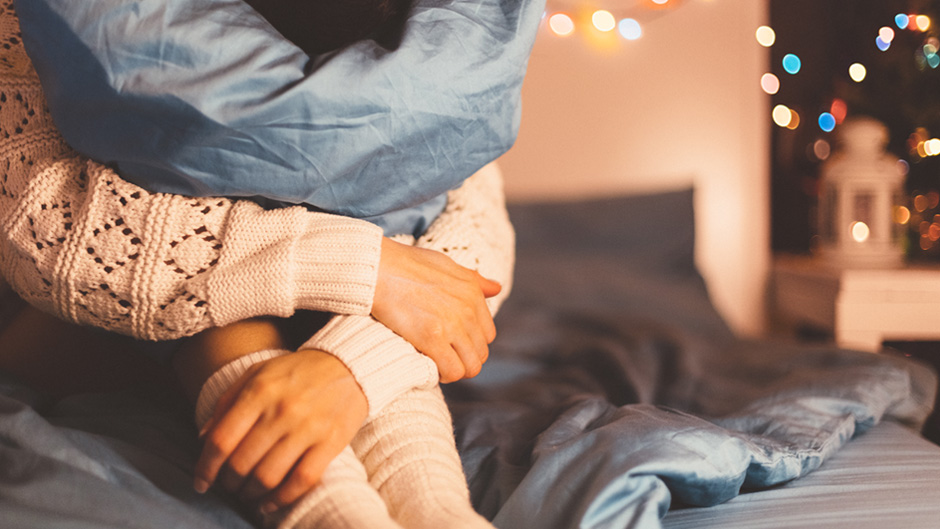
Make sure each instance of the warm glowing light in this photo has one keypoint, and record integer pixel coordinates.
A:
(901, 21)
(860, 231)
(858, 72)
(791, 63)
(932, 146)
(603, 20)
(561, 24)
(902, 215)
(766, 36)
(822, 149)
(922, 149)
(925, 243)
(922, 22)
(933, 233)
(920, 203)
(782, 115)
(660, 2)
(839, 110)
(886, 34)
(882, 44)
(827, 122)
(794, 120)
(769, 83)
(630, 29)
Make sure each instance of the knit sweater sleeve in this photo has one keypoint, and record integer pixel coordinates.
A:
(80, 243)
(475, 231)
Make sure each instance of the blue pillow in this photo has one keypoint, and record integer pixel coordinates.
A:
(204, 97)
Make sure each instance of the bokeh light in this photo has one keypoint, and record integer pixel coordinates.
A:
(932, 146)
(782, 115)
(791, 63)
(922, 22)
(794, 120)
(901, 21)
(882, 44)
(839, 110)
(660, 2)
(902, 215)
(822, 149)
(858, 72)
(769, 83)
(827, 122)
(603, 20)
(766, 36)
(561, 24)
(860, 231)
(886, 34)
(903, 167)
(630, 29)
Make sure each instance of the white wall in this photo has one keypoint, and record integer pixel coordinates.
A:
(680, 106)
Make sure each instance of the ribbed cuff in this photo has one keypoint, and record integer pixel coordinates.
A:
(336, 267)
(223, 379)
(383, 363)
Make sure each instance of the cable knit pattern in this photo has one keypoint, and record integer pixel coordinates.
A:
(85, 245)
(81, 243)
(475, 231)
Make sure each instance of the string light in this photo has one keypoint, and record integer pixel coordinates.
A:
(901, 21)
(922, 22)
(561, 24)
(791, 64)
(603, 20)
(857, 72)
(769, 83)
(782, 115)
(630, 29)
(766, 36)
(827, 122)
(886, 34)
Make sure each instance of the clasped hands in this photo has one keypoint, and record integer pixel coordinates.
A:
(273, 432)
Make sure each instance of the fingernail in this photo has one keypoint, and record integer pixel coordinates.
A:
(200, 485)
(268, 508)
(205, 428)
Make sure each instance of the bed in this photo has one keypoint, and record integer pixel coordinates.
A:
(615, 397)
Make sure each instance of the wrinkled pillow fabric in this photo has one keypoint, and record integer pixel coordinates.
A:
(204, 97)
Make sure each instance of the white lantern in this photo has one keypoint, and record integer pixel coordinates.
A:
(861, 186)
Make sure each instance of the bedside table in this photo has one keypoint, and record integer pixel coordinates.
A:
(861, 308)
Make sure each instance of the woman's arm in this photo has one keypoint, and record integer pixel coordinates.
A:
(474, 231)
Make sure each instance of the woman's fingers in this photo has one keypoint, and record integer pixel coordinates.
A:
(222, 439)
(273, 468)
(303, 477)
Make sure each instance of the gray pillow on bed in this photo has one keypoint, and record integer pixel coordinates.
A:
(652, 230)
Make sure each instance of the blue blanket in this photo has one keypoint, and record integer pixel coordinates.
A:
(614, 392)
(205, 98)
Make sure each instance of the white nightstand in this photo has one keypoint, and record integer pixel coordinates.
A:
(862, 308)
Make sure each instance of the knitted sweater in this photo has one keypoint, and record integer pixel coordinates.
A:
(80, 243)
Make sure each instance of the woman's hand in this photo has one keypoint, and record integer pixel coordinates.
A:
(437, 305)
(277, 428)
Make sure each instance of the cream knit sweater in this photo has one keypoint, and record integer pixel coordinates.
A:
(80, 243)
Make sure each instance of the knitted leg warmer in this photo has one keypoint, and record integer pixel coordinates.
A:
(410, 455)
(343, 500)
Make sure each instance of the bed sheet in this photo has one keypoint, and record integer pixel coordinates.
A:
(614, 393)
(889, 477)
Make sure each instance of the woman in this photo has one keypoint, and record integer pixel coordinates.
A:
(91, 248)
